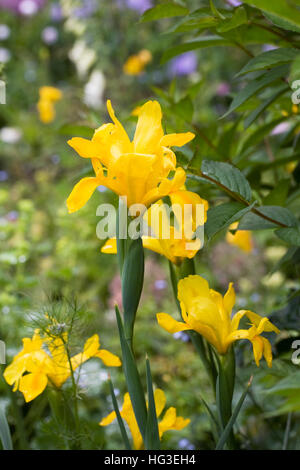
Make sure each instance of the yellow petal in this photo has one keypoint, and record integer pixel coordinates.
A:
(32, 385)
(267, 351)
(160, 401)
(153, 244)
(176, 140)
(191, 287)
(110, 246)
(168, 420)
(108, 358)
(171, 325)
(149, 130)
(258, 348)
(81, 193)
(108, 419)
(229, 298)
(84, 147)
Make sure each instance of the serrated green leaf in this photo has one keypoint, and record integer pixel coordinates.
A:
(238, 18)
(202, 42)
(279, 214)
(164, 10)
(228, 176)
(220, 217)
(255, 86)
(263, 106)
(269, 59)
(280, 10)
(289, 235)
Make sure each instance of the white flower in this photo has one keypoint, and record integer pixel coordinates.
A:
(83, 57)
(94, 89)
(10, 135)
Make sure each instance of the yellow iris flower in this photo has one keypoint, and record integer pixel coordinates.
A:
(204, 310)
(43, 368)
(135, 64)
(48, 96)
(242, 238)
(168, 422)
(171, 242)
(139, 169)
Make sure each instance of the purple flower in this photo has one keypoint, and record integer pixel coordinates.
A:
(56, 13)
(268, 47)
(49, 35)
(138, 5)
(87, 9)
(235, 3)
(184, 64)
(23, 7)
(223, 89)
(3, 175)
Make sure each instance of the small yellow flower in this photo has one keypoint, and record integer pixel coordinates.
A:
(204, 310)
(43, 368)
(171, 242)
(48, 96)
(242, 238)
(168, 422)
(139, 169)
(135, 64)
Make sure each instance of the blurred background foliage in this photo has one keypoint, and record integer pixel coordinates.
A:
(51, 261)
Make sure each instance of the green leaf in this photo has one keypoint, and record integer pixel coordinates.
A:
(281, 11)
(164, 10)
(270, 59)
(258, 135)
(132, 283)
(229, 426)
(133, 380)
(277, 197)
(279, 214)
(5, 435)
(239, 17)
(255, 86)
(215, 11)
(198, 19)
(289, 235)
(184, 109)
(263, 106)
(152, 433)
(221, 216)
(229, 177)
(119, 417)
(281, 23)
(202, 42)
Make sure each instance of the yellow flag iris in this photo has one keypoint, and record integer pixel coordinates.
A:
(204, 310)
(33, 368)
(241, 238)
(168, 422)
(48, 96)
(175, 243)
(139, 169)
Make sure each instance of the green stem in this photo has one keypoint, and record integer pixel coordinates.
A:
(74, 390)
